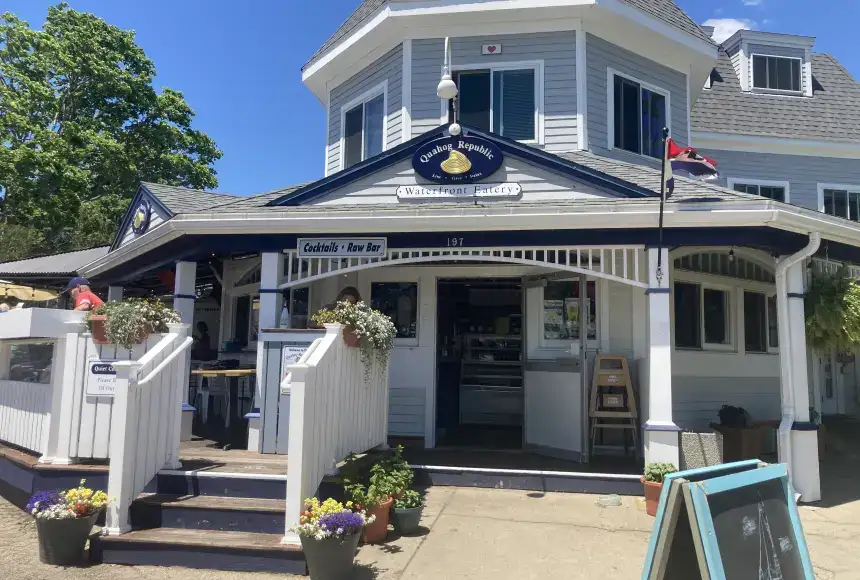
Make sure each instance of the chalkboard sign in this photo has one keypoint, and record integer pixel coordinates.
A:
(728, 522)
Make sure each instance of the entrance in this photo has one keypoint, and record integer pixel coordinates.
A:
(479, 363)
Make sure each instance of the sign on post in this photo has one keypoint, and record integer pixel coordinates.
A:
(728, 522)
(101, 378)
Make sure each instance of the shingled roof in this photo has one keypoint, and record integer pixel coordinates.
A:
(665, 10)
(66, 264)
(187, 200)
(831, 114)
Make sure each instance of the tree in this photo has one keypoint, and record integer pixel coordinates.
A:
(81, 125)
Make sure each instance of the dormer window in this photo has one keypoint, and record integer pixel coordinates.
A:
(363, 121)
(776, 73)
(638, 112)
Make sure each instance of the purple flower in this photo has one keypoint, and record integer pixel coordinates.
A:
(43, 500)
(345, 523)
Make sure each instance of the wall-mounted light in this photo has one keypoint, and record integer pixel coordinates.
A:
(447, 88)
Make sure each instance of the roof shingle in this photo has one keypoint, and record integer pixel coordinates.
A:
(65, 264)
(187, 200)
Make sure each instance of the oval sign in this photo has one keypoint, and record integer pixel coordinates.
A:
(460, 159)
(142, 217)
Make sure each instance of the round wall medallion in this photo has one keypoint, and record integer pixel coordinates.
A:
(141, 219)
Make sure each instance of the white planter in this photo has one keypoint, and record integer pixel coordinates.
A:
(37, 323)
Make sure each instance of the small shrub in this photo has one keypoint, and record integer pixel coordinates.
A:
(657, 472)
(409, 500)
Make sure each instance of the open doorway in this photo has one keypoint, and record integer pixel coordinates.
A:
(479, 363)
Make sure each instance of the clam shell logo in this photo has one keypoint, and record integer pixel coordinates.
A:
(139, 217)
(140, 220)
(456, 164)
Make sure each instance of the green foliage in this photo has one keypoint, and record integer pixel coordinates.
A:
(81, 125)
(656, 472)
(389, 476)
(832, 305)
(409, 500)
(128, 321)
(19, 242)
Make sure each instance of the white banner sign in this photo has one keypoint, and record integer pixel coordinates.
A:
(342, 247)
(454, 191)
(101, 378)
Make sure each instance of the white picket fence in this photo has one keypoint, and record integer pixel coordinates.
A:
(146, 422)
(24, 408)
(333, 412)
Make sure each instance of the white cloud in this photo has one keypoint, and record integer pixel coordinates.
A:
(725, 27)
(753, 2)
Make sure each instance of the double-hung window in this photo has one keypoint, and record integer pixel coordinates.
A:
(776, 73)
(774, 191)
(504, 102)
(761, 333)
(364, 128)
(703, 317)
(639, 113)
(844, 203)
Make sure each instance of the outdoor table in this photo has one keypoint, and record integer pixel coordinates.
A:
(232, 376)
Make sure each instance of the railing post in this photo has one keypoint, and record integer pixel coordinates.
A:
(296, 452)
(123, 447)
(177, 406)
(69, 367)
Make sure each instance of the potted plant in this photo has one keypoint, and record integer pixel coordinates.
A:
(129, 322)
(329, 532)
(407, 511)
(366, 328)
(832, 308)
(653, 478)
(64, 521)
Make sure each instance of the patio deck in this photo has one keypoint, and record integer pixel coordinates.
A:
(201, 455)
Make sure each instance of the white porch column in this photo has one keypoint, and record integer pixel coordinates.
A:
(267, 389)
(801, 453)
(661, 433)
(115, 293)
(184, 293)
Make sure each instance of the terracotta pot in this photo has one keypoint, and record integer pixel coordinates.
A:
(350, 338)
(376, 532)
(652, 496)
(99, 333)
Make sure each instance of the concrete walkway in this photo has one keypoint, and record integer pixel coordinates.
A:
(479, 533)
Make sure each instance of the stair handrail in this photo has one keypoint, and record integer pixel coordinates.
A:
(157, 370)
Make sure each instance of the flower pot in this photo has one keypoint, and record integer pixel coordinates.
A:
(350, 338)
(331, 558)
(62, 542)
(376, 532)
(406, 520)
(652, 496)
(99, 332)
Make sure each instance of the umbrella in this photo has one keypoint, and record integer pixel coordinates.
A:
(25, 293)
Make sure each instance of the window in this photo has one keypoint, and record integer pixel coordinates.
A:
(298, 307)
(498, 101)
(31, 362)
(639, 115)
(364, 129)
(776, 73)
(770, 191)
(702, 317)
(760, 323)
(561, 310)
(398, 301)
(844, 203)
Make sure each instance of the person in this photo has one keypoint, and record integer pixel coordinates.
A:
(4, 307)
(349, 294)
(202, 349)
(286, 320)
(84, 298)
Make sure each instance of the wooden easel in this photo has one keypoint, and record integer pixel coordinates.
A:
(612, 402)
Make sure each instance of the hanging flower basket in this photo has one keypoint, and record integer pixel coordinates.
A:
(97, 328)
(130, 321)
(350, 338)
(832, 307)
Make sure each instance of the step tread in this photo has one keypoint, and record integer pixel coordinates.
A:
(202, 502)
(205, 538)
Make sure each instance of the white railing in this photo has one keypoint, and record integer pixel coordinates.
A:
(827, 266)
(146, 421)
(24, 412)
(333, 412)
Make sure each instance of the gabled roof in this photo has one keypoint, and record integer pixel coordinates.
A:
(187, 200)
(831, 114)
(66, 264)
(665, 10)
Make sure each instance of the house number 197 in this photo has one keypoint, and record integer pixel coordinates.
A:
(455, 242)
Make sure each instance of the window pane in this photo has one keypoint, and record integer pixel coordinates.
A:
(561, 310)
(840, 203)
(352, 142)
(829, 202)
(772, 323)
(854, 206)
(759, 72)
(795, 75)
(374, 118)
(31, 363)
(744, 188)
(687, 315)
(628, 124)
(772, 73)
(514, 104)
(772, 192)
(755, 322)
(299, 301)
(784, 80)
(716, 316)
(653, 122)
(474, 99)
(398, 301)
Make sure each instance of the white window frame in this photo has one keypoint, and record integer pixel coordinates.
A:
(362, 99)
(836, 186)
(776, 91)
(732, 317)
(536, 65)
(611, 73)
(551, 344)
(401, 342)
(768, 294)
(732, 181)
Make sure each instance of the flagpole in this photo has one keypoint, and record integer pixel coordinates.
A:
(662, 205)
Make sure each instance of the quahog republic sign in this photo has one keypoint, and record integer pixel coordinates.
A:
(456, 160)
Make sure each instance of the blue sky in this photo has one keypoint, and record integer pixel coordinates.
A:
(238, 64)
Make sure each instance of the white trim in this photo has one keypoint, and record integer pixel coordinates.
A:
(563, 474)
(767, 90)
(361, 100)
(581, 89)
(776, 145)
(689, 109)
(224, 474)
(406, 92)
(536, 65)
(610, 108)
(732, 181)
(328, 131)
(837, 186)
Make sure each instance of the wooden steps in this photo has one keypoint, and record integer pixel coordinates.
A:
(201, 512)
